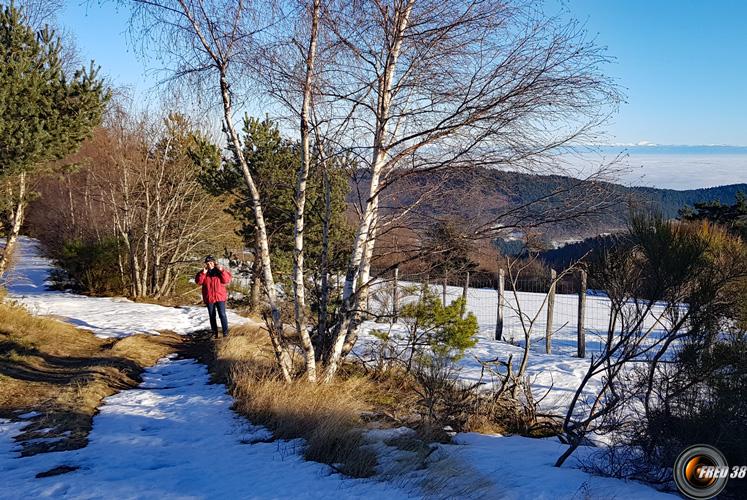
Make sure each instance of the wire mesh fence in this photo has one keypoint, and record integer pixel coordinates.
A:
(556, 314)
(513, 310)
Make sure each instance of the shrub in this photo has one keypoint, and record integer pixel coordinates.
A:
(443, 330)
(91, 266)
(688, 386)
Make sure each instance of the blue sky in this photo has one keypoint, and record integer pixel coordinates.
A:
(100, 31)
(683, 64)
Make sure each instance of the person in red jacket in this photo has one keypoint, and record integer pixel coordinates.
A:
(214, 279)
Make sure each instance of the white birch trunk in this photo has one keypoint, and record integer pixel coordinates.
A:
(378, 161)
(15, 227)
(275, 323)
(298, 232)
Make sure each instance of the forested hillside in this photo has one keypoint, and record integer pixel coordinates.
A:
(484, 194)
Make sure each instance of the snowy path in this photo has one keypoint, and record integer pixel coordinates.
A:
(106, 317)
(173, 437)
(176, 437)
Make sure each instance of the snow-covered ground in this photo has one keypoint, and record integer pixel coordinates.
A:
(176, 437)
(106, 317)
(555, 376)
(532, 306)
(560, 372)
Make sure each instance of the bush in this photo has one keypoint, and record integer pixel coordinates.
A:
(91, 267)
(436, 337)
(688, 387)
(443, 330)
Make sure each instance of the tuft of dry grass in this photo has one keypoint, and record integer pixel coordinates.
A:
(327, 417)
(64, 373)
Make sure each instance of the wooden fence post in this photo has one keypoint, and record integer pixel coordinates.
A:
(443, 288)
(581, 339)
(501, 302)
(395, 294)
(550, 309)
(464, 294)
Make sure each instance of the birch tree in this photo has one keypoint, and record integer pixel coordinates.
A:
(299, 278)
(426, 86)
(203, 40)
(402, 87)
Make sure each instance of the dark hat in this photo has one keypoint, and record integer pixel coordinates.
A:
(209, 258)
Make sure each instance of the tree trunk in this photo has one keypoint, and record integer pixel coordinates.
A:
(299, 284)
(146, 243)
(71, 206)
(378, 161)
(365, 276)
(275, 323)
(256, 286)
(15, 225)
(324, 262)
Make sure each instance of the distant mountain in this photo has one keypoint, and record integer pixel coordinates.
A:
(482, 195)
(667, 149)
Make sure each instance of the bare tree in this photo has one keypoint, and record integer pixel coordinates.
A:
(37, 13)
(445, 85)
(203, 39)
(136, 184)
(666, 286)
(299, 278)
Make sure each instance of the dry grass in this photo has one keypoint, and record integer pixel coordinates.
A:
(63, 373)
(328, 417)
(191, 296)
(331, 418)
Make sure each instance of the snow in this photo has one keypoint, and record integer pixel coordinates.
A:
(523, 468)
(30, 414)
(106, 317)
(554, 376)
(175, 436)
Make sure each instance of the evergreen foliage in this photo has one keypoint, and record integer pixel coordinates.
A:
(733, 217)
(273, 162)
(44, 113)
(89, 266)
(442, 329)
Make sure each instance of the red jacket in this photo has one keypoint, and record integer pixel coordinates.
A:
(213, 285)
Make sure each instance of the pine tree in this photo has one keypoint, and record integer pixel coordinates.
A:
(273, 161)
(44, 113)
(733, 217)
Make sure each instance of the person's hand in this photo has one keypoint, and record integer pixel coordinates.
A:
(204, 268)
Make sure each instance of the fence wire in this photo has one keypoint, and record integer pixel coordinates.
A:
(525, 307)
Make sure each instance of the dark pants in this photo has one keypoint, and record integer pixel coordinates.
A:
(220, 308)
